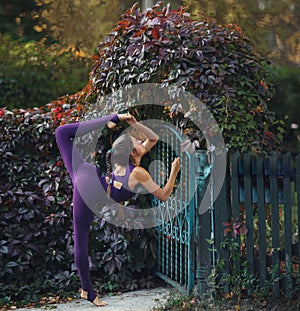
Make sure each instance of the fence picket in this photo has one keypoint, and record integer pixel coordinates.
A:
(235, 193)
(205, 252)
(235, 184)
(249, 212)
(262, 266)
(274, 222)
(287, 224)
(223, 214)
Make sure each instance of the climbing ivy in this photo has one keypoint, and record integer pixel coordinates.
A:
(216, 63)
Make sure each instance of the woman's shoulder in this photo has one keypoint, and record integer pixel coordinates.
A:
(140, 173)
(138, 169)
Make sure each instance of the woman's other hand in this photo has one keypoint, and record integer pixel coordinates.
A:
(175, 167)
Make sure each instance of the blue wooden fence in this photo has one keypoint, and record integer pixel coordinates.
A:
(262, 192)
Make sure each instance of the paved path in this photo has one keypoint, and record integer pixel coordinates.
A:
(141, 300)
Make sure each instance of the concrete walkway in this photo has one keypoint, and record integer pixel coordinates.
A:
(141, 300)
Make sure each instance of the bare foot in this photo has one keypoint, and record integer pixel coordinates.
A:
(97, 302)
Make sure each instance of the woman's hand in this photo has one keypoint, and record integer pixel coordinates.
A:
(130, 119)
(175, 167)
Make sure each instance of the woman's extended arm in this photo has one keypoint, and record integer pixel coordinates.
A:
(144, 178)
(66, 133)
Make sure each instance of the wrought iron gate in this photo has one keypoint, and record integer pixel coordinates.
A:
(177, 216)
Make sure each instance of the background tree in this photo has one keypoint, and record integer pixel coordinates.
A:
(285, 103)
(33, 74)
(81, 24)
(46, 47)
(273, 25)
(23, 19)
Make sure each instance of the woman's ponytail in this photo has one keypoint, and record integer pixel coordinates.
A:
(117, 155)
(109, 171)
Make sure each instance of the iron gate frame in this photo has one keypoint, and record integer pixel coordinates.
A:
(185, 280)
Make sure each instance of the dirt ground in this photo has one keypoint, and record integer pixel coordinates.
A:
(176, 302)
(251, 305)
(164, 299)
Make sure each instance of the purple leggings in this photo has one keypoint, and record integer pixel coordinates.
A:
(86, 181)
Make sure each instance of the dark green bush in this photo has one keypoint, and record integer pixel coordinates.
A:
(32, 74)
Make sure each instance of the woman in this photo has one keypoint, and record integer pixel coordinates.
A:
(123, 175)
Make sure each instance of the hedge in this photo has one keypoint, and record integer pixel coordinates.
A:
(36, 244)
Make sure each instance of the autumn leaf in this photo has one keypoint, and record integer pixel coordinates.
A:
(235, 227)
(133, 8)
(228, 295)
(139, 33)
(155, 33)
(227, 230)
(95, 57)
(237, 28)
